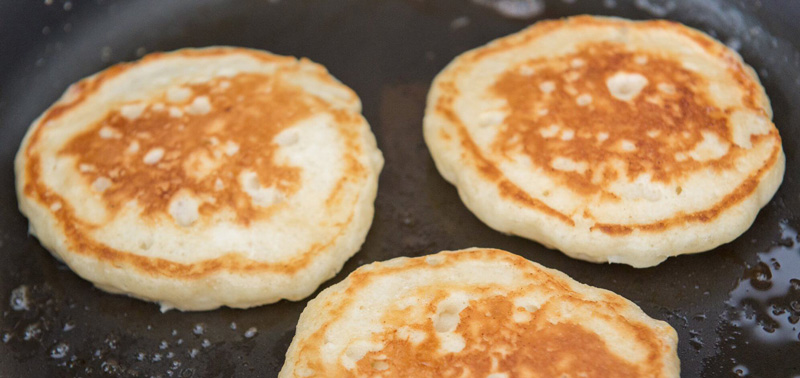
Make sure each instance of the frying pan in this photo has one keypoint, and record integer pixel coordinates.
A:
(736, 308)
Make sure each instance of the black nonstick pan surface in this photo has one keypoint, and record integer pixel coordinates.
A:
(736, 309)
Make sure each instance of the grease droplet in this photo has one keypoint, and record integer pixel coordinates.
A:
(198, 329)
(19, 298)
(519, 9)
(110, 367)
(60, 350)
(32, 331)
(741, 370)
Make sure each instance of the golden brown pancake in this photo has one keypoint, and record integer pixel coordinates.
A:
(475, 313)
(608, 139)
(202, 178)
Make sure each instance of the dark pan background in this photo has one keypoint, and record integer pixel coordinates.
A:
(736, 308)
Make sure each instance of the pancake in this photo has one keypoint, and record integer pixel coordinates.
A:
(202, 178)
(475, 313)
(610, 140)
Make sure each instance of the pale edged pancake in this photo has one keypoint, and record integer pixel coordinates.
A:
(475, 313)
(202, 177)
(608, 139)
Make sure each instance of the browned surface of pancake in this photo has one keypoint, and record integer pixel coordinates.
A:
(675, 119)
(270, 104)
(496, 342)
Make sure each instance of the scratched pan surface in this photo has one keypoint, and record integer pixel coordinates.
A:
(736, 309)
